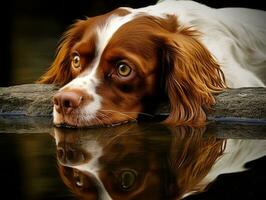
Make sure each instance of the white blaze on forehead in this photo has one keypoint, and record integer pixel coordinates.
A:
(93, 167)
(105, 32)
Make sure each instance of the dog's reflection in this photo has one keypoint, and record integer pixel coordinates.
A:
(146, 162)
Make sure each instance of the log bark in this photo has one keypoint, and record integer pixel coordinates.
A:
(237, 113)
(27, 100)
(243, 104)
(236, 105)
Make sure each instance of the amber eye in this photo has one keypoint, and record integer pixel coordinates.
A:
(123, 69)
(128, 179)
(76, 62)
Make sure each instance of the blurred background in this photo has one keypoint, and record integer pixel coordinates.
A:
(31, 30)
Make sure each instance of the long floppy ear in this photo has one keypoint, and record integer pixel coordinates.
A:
(60, 70)
(192, 155)
(192, 77)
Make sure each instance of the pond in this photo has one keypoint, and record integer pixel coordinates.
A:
(132, 161)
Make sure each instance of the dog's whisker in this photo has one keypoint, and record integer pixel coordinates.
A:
(105, 116)
(142, 113)
(121, 113)
(99, 120)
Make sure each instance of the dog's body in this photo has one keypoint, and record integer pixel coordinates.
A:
(121, 64)
(236, 37)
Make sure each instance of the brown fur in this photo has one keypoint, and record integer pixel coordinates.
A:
(60, 71)
(170, 162)
(192, 79)
(167, 59)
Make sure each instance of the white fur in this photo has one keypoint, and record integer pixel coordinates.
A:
(236, 37)
(106, 31)
(237, 153)
(92, 167)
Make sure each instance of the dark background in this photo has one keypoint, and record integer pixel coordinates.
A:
(31, 29)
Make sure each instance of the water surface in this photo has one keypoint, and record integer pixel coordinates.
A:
(133, 161)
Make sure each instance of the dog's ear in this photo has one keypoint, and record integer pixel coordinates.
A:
(60, 70)
(192, 76)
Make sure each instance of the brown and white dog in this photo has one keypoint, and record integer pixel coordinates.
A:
(116, 66)
(135, 162)
(147, 162)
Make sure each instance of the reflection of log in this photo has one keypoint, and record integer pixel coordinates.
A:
(20, 125)
(24, 124)
(237, 130)
(35, 100)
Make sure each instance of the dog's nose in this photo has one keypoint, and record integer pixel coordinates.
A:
(66, 102)
(71, 155)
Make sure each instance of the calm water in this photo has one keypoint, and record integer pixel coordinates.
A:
(133, 161)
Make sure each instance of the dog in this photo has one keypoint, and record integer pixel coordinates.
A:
(116, 67)
(132, 161)
(124, 162)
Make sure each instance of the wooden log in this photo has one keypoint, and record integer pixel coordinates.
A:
(243, 104)
(238, 113)
(27, 100)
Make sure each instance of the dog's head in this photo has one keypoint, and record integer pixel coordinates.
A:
(116, 66)
(135, 162)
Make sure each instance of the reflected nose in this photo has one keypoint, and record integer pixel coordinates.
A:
(66, 102)
(70, 155)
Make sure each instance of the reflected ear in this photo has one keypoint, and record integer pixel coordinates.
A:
(192, 77)
(60, 70)
(189, 162)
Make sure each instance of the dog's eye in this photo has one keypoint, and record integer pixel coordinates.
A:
(78, 178)
(76, 62)
(123, 69)
(128, 179)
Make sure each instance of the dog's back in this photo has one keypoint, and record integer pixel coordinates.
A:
(236, 37)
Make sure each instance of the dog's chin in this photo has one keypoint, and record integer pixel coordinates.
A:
(89, 124)
(64, 125)
(74, 126)
(76, 121)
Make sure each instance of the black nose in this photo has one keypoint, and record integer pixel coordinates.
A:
(66, 102)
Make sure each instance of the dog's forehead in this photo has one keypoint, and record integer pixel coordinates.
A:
(98, 30)
(93, 167)
(104, 28)
(105, 31)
